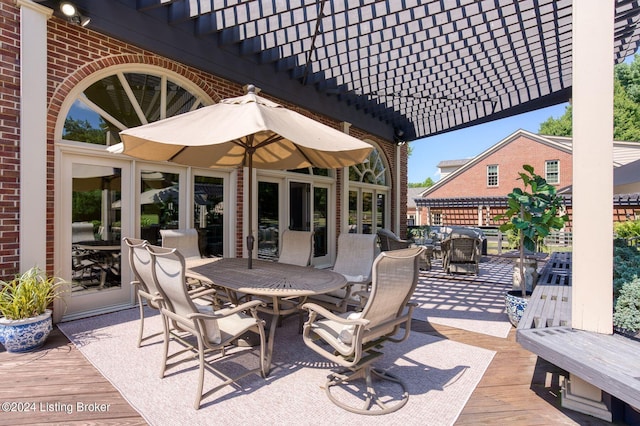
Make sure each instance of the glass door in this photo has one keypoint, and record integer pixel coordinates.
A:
(309, 210)
(208, 214)
(321, 221)
(268, 219)
(93, 202)
(159, 202)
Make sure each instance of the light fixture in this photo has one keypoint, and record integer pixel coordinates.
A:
(72, 13)
(68, 9)
(398, 136)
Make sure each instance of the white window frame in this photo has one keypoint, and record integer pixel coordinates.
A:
(546, 171)
(497, 175)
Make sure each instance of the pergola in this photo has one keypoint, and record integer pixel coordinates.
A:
(408, 69)
(396, 68)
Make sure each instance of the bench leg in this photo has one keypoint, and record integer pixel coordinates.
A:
(583, 397)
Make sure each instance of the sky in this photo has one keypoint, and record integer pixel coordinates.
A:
(469, 142)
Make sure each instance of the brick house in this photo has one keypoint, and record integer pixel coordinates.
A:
(475, 192)
(68, 90)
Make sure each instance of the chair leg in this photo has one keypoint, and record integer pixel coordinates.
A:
(165, 354)
(264, 367)
(141, 322)
(196, 404)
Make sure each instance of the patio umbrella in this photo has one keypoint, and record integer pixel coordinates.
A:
(247, 131)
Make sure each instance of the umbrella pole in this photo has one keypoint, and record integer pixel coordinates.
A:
(250, 239)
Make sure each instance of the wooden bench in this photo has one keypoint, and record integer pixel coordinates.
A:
(608, 362)
(550, 303)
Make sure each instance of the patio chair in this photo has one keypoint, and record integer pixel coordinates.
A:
(390, 241)
(212, 330)
(297, 247)
(185, 240)
(461, 253)
(354, 340)
(356, 253)
(145, 288)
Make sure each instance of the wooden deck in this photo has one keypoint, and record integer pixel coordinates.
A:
(518, 387)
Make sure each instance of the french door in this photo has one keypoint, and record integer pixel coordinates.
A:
(298, 205)
(92, 218)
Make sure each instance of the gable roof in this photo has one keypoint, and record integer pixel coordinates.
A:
(492, 149)
(412, 194)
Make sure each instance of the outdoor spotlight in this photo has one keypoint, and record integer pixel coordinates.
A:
(68, 9)
(397, 136)
(72, 13)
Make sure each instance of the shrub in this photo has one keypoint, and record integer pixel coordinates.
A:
(627, 309)
(29, 294)
(626, 265)
(628, 229)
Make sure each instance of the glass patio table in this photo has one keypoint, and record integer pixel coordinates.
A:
(287, 286)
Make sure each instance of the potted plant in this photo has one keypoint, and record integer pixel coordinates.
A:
(24, 301)
(532, 213)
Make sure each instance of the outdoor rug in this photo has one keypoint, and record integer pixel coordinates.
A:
(470, 302)
(440, 376)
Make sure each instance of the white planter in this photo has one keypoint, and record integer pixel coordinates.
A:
(530, 274)
(25, 334)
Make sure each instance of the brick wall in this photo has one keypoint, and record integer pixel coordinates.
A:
(73, 54)
(9, 140)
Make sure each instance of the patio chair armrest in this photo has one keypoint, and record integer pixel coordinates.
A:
(222, 313)
(315, 309)
(153, 297)
(198, 292)
(251, 305)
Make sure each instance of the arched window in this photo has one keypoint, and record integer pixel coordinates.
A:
(372, 170)
(122, 100)
(368, 194)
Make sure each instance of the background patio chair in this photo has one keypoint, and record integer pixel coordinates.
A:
(390, 241)
(354, 340)
(212, 330)
(461, 253)
(297, 247)
(356, 253)
(145, 288)
(185, 240)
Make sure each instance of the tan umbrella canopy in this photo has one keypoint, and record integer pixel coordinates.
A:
(248, 131)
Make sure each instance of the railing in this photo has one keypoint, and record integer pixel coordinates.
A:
(563, 239)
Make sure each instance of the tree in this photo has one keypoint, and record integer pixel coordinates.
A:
(428, 182)
(533, 212)
(626, 106)
(83, 131)
(557, 126)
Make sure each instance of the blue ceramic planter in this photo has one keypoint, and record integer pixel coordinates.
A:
(26, 334)
(515, 305)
